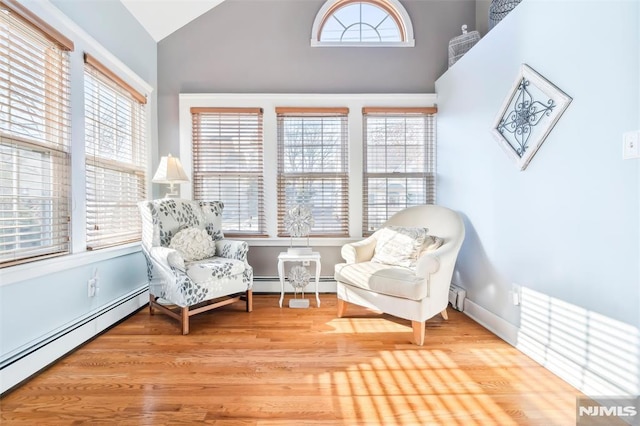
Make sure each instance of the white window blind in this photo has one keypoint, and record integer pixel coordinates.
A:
(228, 165)
(399, 162)
(115, 148)
(313, 167)
(34, 138)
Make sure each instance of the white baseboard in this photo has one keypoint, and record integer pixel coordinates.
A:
(44, 353)
(492, 322)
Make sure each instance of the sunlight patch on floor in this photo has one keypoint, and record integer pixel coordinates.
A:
(432, 389)
(367, 325)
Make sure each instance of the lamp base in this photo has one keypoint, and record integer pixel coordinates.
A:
(299, 303)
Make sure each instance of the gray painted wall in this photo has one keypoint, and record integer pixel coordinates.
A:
(567, 228)
(263, 46)
(482, 16)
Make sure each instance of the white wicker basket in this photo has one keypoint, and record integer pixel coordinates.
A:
(461, 44)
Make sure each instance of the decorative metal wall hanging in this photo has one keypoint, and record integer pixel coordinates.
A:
(528, 114)
(461, 44)
(499, 9)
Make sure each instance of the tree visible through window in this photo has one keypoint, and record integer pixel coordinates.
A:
(365, 22)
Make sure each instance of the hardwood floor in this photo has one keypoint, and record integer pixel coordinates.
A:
(293, 366)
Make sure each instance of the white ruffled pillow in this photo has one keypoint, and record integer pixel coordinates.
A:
(193, 244)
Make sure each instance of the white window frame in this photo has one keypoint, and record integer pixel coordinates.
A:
(330, 6)
(269, 102)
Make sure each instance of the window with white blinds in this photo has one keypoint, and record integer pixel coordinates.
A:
(34, 138)
(115, 149)
(313, 167)
(228, 165)
(399, 162)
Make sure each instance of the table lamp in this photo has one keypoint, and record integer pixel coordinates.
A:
(170, 171)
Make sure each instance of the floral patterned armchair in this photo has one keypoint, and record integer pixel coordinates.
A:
(202, 272)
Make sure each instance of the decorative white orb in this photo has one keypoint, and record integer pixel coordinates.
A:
(299, 277)
(298, 221)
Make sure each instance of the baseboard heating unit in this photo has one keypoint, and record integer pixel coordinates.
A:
(456, 297)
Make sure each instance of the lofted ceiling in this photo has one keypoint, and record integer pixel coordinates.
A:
(162, 17)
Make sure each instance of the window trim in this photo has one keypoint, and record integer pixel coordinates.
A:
(393, 7)
(268, 102)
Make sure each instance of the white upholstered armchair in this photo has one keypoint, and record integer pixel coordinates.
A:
(190, 264)
(402, 269)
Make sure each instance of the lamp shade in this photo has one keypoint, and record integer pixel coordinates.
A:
(170, 171)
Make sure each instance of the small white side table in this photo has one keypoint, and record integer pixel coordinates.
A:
(290, 257)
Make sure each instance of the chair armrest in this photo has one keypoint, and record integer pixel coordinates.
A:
(427, 264)
(445, 255)
(232, 249)
(168, 257)
(361, 251)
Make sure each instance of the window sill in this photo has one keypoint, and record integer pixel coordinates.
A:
(36, 269)
(286, 242)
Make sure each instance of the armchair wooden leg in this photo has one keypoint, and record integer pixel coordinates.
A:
(152, 299)
(185, 320)
(342, 308)
(418, 332)
(444, 314)
(249, 300)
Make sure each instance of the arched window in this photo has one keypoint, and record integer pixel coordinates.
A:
(362, 23)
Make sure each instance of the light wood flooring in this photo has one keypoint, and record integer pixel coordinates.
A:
(292, 366)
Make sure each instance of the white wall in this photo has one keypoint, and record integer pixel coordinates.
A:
(567, 228)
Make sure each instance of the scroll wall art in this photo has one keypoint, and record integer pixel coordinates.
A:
(528, 115)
